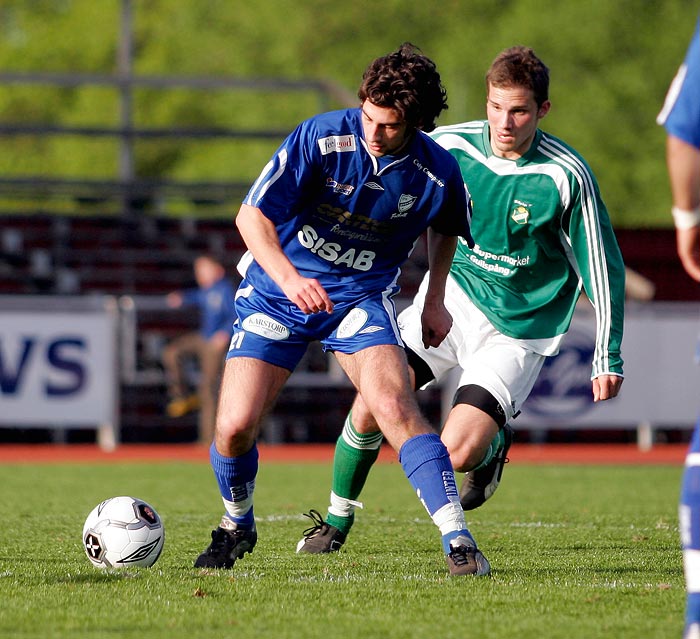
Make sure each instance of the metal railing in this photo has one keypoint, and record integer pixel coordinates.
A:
(127, 189)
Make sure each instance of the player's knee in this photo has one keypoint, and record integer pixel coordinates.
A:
(467, 435)
(466, 454)
(393, 409)
(234, 427)
(389, 409)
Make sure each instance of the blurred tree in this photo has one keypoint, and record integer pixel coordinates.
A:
(611, 64)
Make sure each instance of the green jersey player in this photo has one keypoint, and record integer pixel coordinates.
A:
(542, 235)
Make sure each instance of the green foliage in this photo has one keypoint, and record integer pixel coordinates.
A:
(611, 64)
(577, 552)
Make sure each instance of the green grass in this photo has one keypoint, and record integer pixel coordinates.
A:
(576, 552)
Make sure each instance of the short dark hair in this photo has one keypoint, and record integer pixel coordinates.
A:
(519, 66)
(408, 82)
(210, 256)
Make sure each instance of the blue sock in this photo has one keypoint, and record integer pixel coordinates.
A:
(426, 462)
(692, 608)
(689, 516)
(236, 479)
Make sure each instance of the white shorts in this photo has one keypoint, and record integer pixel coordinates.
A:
(506, 367)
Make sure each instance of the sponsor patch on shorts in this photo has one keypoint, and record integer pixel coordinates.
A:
(265, 326)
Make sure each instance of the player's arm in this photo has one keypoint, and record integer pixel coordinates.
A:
(436, 320)
(174, 299)
(602, 269)
(683, 161)
(261, 238)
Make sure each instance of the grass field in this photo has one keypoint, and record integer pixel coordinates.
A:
(576, 552)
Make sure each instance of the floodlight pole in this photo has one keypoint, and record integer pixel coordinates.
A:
(124, 72)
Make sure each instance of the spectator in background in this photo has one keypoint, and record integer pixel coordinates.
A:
(681, 117)
(214, 297)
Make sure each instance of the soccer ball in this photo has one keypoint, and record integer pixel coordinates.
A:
(121, 532)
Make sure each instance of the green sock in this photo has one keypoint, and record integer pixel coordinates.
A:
(496, 443)
(354, 456)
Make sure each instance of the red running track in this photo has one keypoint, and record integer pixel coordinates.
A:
(323, 453)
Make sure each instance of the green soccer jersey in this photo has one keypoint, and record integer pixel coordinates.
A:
(542, 232)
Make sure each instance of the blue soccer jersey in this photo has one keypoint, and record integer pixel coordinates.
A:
(347, 218)
(681, 112)
(216, 306)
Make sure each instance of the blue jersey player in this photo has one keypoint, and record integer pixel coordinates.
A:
(681, 117)
(328, 224)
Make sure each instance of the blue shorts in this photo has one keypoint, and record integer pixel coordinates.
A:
(280, 333)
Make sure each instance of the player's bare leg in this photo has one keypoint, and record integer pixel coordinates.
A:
(468, 433)
(477, 447)
(249, 388)
(381, 375)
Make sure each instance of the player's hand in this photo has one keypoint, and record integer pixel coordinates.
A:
(174, 299)
(606, 387)
(688, 245)
(436, 323)
(308, 295)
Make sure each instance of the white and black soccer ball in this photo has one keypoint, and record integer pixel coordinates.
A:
(122, 532)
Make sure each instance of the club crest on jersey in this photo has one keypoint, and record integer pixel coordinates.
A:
(521, 213)
(344, 189)
(405, 203)
(337, 144)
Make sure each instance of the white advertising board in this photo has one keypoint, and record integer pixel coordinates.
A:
(57, 368)
(662, 377)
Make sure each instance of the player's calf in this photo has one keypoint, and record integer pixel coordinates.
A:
(480, 484)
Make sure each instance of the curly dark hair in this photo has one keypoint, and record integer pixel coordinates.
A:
(520, 67)
(408, 82)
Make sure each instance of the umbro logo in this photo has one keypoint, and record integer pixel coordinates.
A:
(371, 329)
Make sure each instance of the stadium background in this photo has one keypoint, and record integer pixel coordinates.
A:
(131, 129)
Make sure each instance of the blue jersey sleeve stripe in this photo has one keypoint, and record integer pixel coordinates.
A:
(672, 95)
(265, 180)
